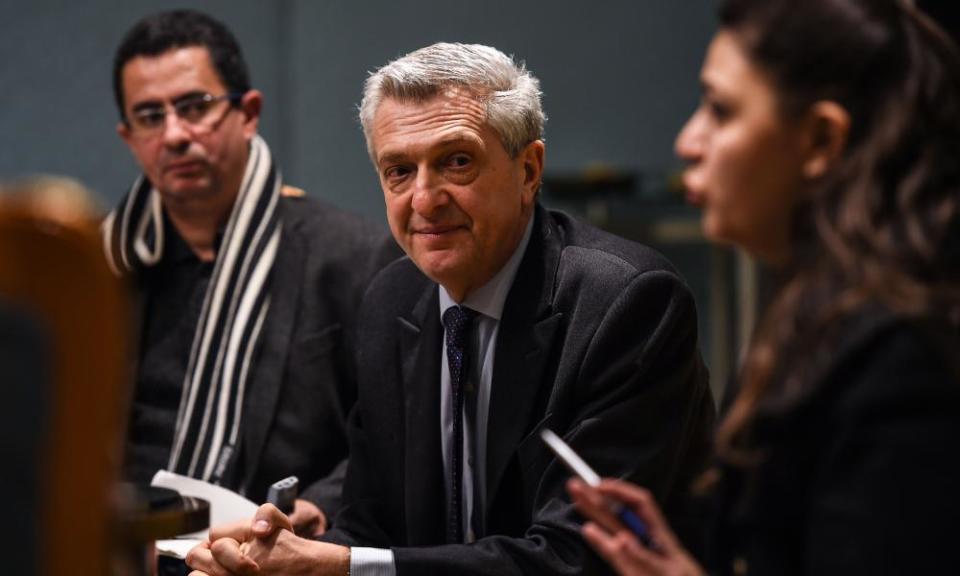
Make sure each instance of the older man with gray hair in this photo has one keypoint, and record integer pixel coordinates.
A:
(505, 319)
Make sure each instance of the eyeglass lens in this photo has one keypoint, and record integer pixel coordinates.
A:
(197, 110)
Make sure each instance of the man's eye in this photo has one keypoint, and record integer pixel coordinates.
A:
(459, 160)
(193, 109)
(149, 118)
(396, 172)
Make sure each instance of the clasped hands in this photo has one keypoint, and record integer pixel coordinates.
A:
(265, 546)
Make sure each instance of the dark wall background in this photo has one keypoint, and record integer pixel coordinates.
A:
(619, 78)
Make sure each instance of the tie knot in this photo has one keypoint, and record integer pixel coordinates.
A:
(457, 321)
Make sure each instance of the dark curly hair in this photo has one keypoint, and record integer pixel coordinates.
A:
(883, 225)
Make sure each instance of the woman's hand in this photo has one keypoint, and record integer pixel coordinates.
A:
(617, 544)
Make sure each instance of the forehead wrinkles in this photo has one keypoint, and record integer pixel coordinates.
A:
(435, 120)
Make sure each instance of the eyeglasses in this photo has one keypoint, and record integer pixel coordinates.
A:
(200, 112)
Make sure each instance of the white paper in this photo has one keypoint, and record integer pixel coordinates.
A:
(225, 506)
(177, 548)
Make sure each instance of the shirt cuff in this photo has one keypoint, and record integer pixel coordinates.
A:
(372, 562)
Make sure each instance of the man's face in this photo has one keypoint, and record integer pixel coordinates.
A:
(456, 202)
(190, 165)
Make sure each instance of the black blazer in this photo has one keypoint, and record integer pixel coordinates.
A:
(860, 473)
(597, 342)
(304, 384)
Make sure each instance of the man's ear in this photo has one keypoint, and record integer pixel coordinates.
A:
(124, 132)
(250, 105)
(532, 157)
(828, 128)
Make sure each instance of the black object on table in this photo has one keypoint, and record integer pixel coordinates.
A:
(147, 514)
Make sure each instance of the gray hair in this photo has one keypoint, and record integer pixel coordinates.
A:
(510, 92)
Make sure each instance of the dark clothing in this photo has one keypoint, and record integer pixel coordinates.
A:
(860, 473)
(303, 382)
(172, 295)
(597, 342)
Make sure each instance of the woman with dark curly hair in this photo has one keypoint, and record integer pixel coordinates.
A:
(827, 144)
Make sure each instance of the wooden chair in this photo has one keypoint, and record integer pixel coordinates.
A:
(63, 333)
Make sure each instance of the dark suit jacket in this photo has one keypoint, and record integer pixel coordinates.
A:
(860, 472)
(303, 382)
(304, 385)
(597, 342)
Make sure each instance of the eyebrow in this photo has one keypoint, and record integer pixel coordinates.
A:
(450, 141)
(157, 103)
(391, 158)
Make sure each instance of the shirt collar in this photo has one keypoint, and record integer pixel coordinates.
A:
(490, 298)
(176, 248)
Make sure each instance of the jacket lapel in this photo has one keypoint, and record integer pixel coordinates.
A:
(263, 389)
(420, 344)
(525, 337)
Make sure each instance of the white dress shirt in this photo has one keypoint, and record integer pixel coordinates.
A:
(488, 301)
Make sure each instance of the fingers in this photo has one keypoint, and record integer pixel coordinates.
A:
(631, 494)
(622, 551)
(228, 553)
(321, 526)
(201, 558)
(239, 531)
(592, 504)
(307, 519)
(268, 519)
(644, 504)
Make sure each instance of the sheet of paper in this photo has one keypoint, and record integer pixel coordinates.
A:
(176, 548)
(225, 506)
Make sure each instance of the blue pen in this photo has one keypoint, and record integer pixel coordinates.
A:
(581, 470)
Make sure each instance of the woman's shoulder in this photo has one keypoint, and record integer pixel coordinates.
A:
(881, 357)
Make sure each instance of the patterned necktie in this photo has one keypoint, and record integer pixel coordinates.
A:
(457, 320)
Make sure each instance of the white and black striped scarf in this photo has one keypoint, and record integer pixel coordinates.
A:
(234, 308)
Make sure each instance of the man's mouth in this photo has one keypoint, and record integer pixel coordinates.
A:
(437, 230)
(184, 166)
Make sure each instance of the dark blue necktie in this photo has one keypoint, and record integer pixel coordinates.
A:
(457, 320)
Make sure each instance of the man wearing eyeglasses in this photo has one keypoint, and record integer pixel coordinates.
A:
(248, 289)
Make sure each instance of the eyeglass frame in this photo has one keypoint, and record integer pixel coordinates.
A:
(233, 98)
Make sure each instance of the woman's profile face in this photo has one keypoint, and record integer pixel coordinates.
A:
(744, 157)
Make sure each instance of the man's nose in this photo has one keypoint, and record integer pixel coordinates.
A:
(428, 194)
(175, 132)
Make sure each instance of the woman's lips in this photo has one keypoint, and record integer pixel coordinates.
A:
(693, 198)
(692, 194)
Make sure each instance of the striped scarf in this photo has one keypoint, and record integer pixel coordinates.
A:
(234, 308)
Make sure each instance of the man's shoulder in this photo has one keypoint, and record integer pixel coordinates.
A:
(400, 282)
(589, 251)
(319, 216)
(332, 244)
(329, 232)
